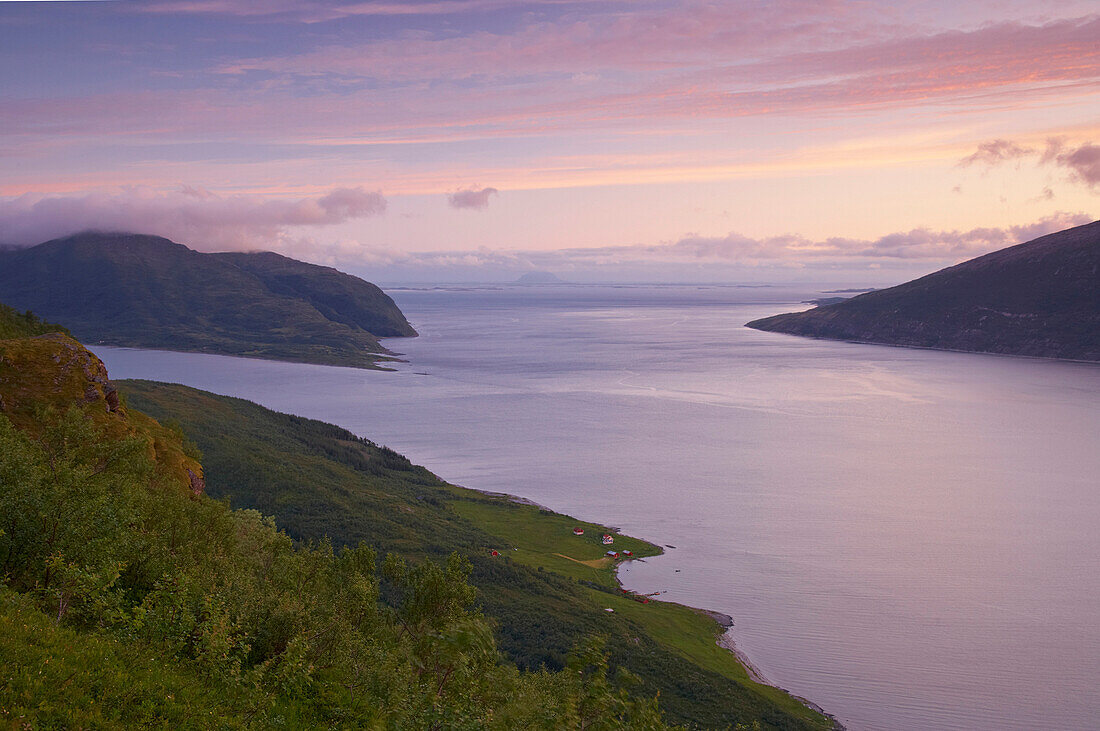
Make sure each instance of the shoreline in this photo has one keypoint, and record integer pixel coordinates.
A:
(723, 621)
(1051, 358)
(727, 642)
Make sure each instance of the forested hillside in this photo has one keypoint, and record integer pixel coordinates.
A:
(544, 599)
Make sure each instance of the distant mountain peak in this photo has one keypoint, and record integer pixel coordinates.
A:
(539, 277)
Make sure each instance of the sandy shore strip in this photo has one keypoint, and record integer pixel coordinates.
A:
(727, 642)
(506, 496)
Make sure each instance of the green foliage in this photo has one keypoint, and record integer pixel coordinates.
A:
(26, 324)
(68, 503)
(320, 480)
(138, 594)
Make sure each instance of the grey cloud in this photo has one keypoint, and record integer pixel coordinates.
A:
(995, 152)
(1083, 161)
(471, 198)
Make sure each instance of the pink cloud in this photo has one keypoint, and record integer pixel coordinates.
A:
(707, 62)
(707, 48)
(900, 248)
(919, 243)
(318, 12)
(193, 216)
(471, 198)
(913, 244)
(686, 36)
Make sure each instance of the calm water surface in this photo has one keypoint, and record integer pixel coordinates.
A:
(907, 538)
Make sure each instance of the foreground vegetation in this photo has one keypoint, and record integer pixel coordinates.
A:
(132, 596)
(545, 593)
(129, 600)
(26, 324)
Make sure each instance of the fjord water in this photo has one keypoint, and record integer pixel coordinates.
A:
(907, 538)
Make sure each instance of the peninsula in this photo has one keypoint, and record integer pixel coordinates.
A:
(1040, 298)
(142, 291)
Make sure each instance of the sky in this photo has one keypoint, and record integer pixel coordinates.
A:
(621, 140)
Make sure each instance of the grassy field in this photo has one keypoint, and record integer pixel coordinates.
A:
(543, 539)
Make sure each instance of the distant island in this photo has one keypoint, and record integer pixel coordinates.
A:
(540, 278)
(1040, 298)
(142, 291)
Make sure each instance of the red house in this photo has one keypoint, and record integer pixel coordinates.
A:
(607, 540)
(578, 531)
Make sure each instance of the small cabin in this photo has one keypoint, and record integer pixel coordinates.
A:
(494, 553)
(628, 553)
(613, 554)
(607, 540)
(578, 531)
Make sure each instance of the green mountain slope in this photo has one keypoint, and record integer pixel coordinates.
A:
(546, 592)
(339, 297)
(1040, 298)
(130, 599)
(148, 292)
(129, 596)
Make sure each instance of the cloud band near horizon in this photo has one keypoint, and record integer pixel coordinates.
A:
(192, 216)
(208, 222)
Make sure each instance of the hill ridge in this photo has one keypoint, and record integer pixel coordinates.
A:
(139, 290)
(1040, 298)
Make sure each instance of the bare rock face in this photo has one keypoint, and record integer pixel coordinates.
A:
(198, 485)
(110, 394)
(54, 368)
(72, 356)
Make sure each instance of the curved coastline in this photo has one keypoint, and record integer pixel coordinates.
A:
(727, 642)
(723, 622)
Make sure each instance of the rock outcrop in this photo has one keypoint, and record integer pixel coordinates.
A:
(55, 372)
